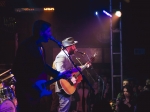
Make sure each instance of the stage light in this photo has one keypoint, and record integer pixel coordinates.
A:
(118, 13)
(96, 13)
(108, 14)
(48, 9)
(34, 9)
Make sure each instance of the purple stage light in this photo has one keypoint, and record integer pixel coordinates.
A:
(107, 13)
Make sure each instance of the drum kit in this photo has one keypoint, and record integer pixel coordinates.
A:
(8, 101)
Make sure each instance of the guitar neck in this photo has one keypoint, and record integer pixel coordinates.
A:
(53, 80)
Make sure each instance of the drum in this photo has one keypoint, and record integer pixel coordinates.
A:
(7, 93)
(7, 106)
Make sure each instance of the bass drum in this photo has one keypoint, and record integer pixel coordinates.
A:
(7, 106)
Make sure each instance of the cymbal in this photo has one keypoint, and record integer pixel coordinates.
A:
(5, 72)
(11, 75)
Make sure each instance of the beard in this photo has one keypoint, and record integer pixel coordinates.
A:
(71, 52)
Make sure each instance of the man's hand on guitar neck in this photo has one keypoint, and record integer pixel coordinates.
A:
(86, 65)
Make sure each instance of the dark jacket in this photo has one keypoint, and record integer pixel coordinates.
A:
(29, 65)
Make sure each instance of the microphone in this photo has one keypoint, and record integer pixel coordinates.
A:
(56, 41)
(83, 53)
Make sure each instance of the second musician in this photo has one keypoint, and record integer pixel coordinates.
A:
(62, 63)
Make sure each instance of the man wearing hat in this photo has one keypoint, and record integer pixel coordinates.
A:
(63, 63)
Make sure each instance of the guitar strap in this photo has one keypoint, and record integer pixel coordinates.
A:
(59, 86)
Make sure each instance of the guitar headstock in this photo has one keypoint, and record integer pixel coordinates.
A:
(95, 54)
(93, 57)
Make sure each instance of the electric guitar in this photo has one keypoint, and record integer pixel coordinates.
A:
(41, 85)
(67, 84)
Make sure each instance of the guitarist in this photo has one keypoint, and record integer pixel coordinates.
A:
(30, 66)
(63, 63)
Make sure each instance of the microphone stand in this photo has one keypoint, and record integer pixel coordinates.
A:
(89, 103)
(99, 79)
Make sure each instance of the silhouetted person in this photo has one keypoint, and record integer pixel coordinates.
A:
(30, 66)
(126, 102)
(143, 99)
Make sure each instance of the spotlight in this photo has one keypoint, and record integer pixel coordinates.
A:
(96, 13)
(49, 9)
(118, 13)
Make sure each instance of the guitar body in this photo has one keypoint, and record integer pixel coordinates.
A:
(68, 87)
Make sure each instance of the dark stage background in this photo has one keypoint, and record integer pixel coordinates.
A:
(77, 19)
